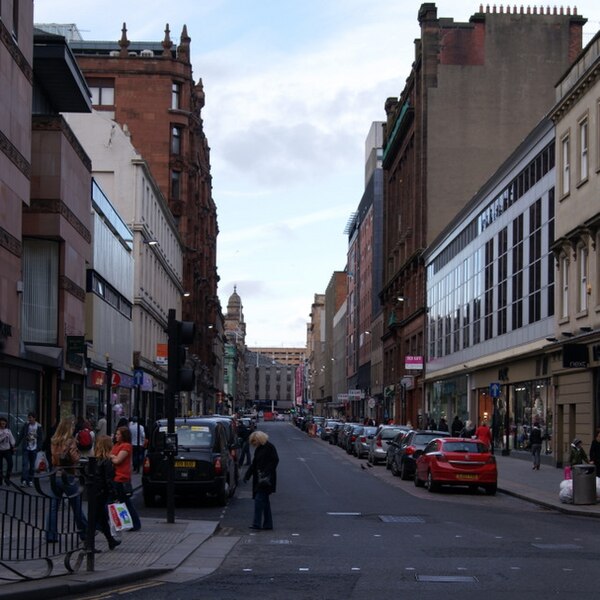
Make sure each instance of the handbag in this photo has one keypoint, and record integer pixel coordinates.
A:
(264, 481)
(127, 489)
(41, 462)
(119, 516)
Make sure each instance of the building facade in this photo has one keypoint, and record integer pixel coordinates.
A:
(465, 84)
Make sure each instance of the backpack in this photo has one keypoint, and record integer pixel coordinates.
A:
(84, 439)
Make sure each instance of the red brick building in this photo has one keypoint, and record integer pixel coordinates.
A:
(149, 89)
(475, 91)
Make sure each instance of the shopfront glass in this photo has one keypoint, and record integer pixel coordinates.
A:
(449, 398)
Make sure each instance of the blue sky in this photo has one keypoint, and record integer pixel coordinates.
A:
(292, 87)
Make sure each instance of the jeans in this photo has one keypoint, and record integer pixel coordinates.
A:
(262, 511)
(68, 487)
(28, 465)
(6, 455)
(138, 457)
(535, 451)
(123, 497)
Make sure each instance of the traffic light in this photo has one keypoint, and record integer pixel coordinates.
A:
(181, 334)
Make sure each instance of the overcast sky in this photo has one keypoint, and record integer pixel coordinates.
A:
(292, 87)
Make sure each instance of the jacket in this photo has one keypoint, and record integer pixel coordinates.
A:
(265, 461)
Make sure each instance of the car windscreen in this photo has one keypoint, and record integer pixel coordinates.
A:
(424, 438)
(190, 435)
(467, 447)
(388, 434)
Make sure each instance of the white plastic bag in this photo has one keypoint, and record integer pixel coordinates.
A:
(119, 517)
(565, 494)
(41, 462)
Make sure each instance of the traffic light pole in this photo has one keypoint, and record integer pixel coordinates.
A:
(172, 397)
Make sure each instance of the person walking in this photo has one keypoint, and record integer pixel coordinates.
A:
(100, 428)
(484, 433)
(535, 441)
(244, 436)
(595, 451)
(64, 457)
(138, 439)
(578, 455)
(456, 426)
(104, 487)
(32, 438)
(121, 455)
(7, 447)
(442, 425)
(468, 431)
(263, 471)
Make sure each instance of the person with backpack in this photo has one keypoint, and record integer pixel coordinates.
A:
(84, 437)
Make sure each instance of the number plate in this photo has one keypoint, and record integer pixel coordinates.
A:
(185, 464)
(466, 476)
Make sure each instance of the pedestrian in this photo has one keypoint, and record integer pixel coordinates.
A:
(263, 471)
(535, 441)
(7, 448)
(32, 438)
(138, 440)
(468, 431)
(595, 451)
(484, 433)
(84, 436)
(101, 424)
(456, 426)
(64, 457)
(578, 455)
(121, 457)
(104, 487)
(442, 425)
(244, 437)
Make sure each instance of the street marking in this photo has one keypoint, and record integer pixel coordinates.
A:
(303, 569)
(247, 570)
(355, 569)
(336, 535)
(446, 578)
(344, 514)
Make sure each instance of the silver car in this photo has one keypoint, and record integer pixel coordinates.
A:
(379, 444)
(363, 441)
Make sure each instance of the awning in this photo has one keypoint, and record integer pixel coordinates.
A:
(51, 356)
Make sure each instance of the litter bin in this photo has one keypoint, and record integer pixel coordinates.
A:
(584, 484)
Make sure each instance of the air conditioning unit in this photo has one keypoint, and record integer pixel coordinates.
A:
(147, 53)
(114, 53)
(132, 53)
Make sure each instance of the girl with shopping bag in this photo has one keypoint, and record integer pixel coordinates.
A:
(121, 455)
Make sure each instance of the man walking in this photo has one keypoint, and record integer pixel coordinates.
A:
(32, 438)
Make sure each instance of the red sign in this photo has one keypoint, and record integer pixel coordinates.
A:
(413, 362)
(98, 379)
(116, 379)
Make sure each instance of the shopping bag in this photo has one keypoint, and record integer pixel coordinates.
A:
(41, 462)
(119, 517)
(567, 472)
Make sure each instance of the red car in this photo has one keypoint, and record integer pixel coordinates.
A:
(457, 461)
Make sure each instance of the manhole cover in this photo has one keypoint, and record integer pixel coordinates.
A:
(446, 579)
(401, 519)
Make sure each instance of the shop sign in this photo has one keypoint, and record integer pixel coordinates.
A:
(97, 378)
(413, 362)
(575, 356)
(162, 354)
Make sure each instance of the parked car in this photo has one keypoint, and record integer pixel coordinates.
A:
(327, 428)
(403, 459)
(385, 434)
(362, 442)
(351, 437)
(203, 463)
(456, 461)
(343, 434)
(391, 448)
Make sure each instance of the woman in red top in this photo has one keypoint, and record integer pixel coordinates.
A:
(120, 456)
(484, 434)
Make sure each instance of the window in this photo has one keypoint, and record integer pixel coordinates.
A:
(103, 92)
(176, 140)
(176, 95)
(583, 150)
(564, 274)
(40, 291)
(175, 185)
(582, 260)
(565, 173)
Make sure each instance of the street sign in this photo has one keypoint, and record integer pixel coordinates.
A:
(138, 377)
(495, 390)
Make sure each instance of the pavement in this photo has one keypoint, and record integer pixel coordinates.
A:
(190, 549)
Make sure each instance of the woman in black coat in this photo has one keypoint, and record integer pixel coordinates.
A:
(263, 471)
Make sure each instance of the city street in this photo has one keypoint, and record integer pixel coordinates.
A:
(344, 531)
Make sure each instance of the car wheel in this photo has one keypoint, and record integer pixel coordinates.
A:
(394, 468)
(149, 499)
(388, 466)
(491, 489)
(403, 472)
(418, 482)
(432, 486)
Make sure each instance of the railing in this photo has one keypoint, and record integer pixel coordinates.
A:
(30, 547)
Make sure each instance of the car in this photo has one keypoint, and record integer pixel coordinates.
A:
(385, 434)
(391, 448)
(362, 441)
(456, 461)
(355, 430)
(327, 427)
(343, 434)
(335, 432)
(403, 459)
(203, 464)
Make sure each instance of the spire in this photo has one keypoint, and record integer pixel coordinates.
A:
(124, 42)
(183, 52)
(167, 44)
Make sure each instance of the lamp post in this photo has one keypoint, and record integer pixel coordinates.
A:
(109, 375)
